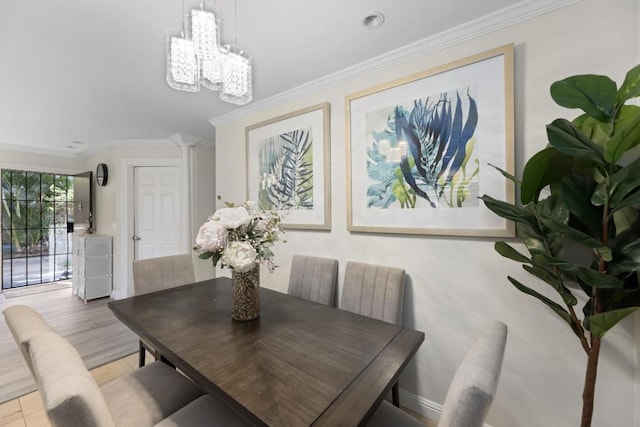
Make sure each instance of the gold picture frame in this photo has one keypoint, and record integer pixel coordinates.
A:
(420, 150)
(289, 167)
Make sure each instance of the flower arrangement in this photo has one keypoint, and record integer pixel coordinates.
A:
(240, 237)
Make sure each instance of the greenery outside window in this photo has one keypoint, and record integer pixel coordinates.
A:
(37, 218)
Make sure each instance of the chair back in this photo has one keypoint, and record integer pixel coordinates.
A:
(24, 324)
(373, 290)
(475, 382)
(155, 274)
(69, 392)
(313, 278)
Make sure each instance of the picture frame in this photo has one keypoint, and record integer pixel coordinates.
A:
(289, 167)
(420, 150)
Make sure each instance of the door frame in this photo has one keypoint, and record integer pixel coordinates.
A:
(125, 207)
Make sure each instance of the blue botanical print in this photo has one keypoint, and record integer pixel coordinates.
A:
(286, 171)
(424, 151)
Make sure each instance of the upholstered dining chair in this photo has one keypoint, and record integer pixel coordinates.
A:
(313, 278)
(472, 388)
(375, 291)
(155, 274)
(145, 397)
(25, 323)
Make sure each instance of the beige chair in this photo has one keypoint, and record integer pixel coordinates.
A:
(313, 278)
(374, 291)
(150, 395)
(155, 274)
(25, 323)
(471, 391)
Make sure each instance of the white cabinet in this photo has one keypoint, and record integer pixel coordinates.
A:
(92, 266)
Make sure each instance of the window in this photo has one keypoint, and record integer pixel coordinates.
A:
(37, 218)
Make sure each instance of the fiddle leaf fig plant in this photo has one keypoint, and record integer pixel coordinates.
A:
(579, 213)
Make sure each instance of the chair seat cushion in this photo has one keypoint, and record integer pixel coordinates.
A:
(148, 395)
(203, 412)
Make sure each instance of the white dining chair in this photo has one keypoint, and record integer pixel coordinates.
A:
(155, 274)
(153, 395)
(313, 278)
(472, 388)
(375, 291)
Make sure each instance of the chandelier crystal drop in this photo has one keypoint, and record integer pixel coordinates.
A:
(236, 77)
(182, 64)
(202, 61)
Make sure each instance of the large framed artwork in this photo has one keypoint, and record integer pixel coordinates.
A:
(420, 150)
(288, 167)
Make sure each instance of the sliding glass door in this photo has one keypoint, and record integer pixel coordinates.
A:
(37, 218)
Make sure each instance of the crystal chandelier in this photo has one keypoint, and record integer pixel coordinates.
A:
(202, 61)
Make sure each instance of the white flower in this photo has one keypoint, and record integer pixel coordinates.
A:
(211, 236)
(232, 217)
(240, 256)
(262, 221)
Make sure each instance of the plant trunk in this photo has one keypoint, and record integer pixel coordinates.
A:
(590, 382)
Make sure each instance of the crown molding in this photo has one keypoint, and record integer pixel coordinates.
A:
(39, 150)
(519, 12)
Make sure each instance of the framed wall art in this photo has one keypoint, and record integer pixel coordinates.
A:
(288, 167)
(420, 150)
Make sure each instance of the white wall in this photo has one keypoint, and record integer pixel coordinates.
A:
(455, 284)
(112, 217)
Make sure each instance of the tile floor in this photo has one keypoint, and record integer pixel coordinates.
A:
(27, 411)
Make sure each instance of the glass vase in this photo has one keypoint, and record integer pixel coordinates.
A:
(245, 294)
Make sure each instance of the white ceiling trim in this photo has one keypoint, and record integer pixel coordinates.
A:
(512, 15)
(44, 151)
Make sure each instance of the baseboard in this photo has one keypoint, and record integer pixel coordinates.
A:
(420, 405)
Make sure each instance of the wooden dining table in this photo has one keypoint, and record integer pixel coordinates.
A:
(299, 364)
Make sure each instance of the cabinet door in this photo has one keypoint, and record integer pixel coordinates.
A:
(97, 246)
(97, 266)
(97, 287)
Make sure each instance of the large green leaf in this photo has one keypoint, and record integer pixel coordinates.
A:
(532, 238)
(625, 183)
(575, 193)
(593, 94)
(545, 167)
(505, 174)
(626, 251)
(600, 323)
(580, 237)
(557, 308)
(624, 138)
(554, 282)
(625, 218)
(508, 251)
(597, 131)
(630, 88)
(508, 211)
(552, 208)
(568, 139)
(591, 277)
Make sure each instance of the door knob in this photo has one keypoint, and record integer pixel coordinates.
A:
(135, 238)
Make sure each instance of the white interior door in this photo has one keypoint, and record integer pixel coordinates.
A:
(157, 211)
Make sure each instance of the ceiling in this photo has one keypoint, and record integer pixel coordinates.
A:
(78, 74)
